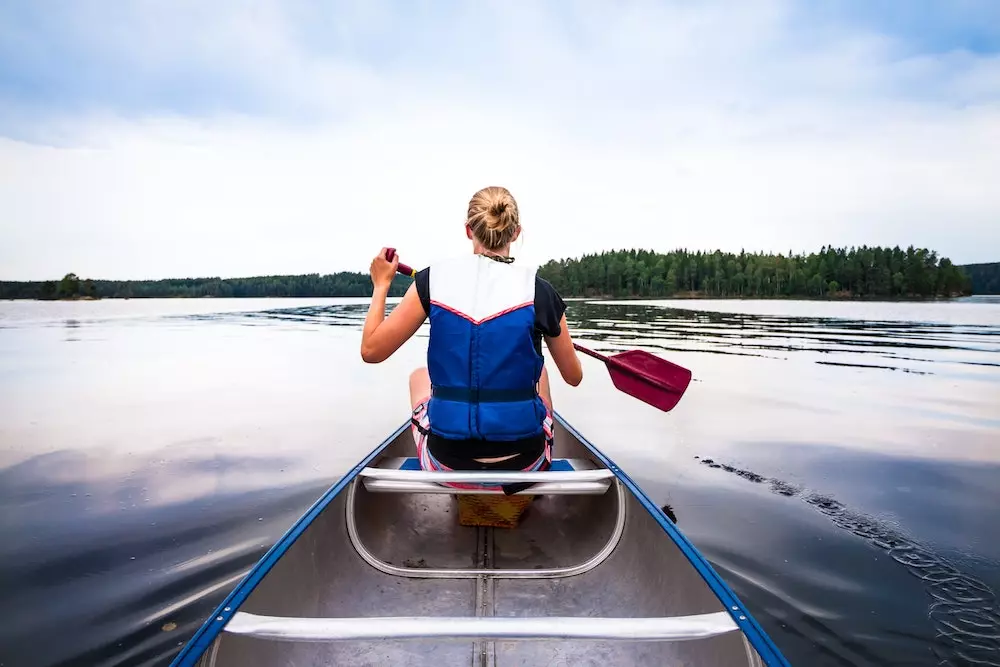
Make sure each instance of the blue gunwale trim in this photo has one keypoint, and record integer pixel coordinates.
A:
(759, 639)
(211, 628)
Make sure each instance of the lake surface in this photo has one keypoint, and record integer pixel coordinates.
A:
(838, 463)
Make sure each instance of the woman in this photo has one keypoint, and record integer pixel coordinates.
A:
(483, 402)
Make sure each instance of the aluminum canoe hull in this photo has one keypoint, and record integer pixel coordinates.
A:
(377, 573)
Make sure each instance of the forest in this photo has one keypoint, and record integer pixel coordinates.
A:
(985, 277)
(830, 273)
(864, 272)
(347, 283)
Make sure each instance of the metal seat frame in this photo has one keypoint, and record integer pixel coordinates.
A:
(472, 573)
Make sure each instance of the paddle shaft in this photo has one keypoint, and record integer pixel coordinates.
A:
(590, 353)
(400, 268)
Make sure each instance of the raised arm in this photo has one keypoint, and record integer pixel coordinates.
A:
(384, 335)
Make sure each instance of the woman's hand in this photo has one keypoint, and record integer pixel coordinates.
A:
(382, 270)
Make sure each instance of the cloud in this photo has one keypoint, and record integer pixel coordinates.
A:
(153, 140)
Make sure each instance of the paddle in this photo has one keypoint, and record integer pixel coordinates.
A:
(400, 268)
(640, 374)
(645, 376)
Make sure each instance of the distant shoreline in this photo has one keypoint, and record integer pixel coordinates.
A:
(833, 274)
(836, 299)
(595, 297)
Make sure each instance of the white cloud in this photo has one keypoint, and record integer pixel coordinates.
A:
(653, 126)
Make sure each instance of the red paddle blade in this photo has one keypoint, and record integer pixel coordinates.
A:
(650, 378)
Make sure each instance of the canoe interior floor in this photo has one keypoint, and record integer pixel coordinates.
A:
(322, 575)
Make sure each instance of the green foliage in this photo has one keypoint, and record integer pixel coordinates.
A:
(69, 286)
(985, 277)
(310, 285)
(860, 272)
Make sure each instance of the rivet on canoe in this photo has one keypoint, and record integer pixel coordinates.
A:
(735, 608)
(227, 609)
(218, 618)
(743, 618)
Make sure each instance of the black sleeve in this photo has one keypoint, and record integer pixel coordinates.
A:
(422, 281)
(549, 308)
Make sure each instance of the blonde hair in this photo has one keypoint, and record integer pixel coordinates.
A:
(493, 217)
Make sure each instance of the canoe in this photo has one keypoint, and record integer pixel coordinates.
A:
(384, 570)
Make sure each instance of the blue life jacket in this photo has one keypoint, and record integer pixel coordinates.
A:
(481, 358)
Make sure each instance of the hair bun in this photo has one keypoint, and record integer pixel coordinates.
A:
(493, 217)
(497, 221)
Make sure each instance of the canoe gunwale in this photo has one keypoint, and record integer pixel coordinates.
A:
(472, 573)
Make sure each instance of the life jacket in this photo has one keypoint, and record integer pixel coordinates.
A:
(481, 358)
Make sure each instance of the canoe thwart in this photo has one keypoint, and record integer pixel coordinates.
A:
(557, 464)
(567, 476)
(541, 489)
(670, 628)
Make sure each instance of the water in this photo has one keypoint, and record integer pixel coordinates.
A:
(838, 463)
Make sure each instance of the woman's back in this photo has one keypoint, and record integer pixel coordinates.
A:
(484, 397)
(484, 357)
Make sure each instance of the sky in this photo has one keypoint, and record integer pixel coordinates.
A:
(235, 138)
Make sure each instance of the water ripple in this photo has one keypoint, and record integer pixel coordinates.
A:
(963, 609)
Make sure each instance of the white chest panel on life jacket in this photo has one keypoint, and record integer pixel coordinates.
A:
(479, 288)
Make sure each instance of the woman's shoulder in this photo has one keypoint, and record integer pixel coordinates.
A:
(548, 297)
(544, 286)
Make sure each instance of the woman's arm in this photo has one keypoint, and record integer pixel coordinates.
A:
(564, 354)
(382, 336)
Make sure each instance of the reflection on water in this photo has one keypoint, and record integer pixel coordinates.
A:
(350, 315)
(71, 327)
(673, 330)
(837, 462)
(122, 564)
(623, 326)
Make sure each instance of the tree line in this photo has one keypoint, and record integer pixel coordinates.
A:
(985, 277)
(346, 283)
(831, 272)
